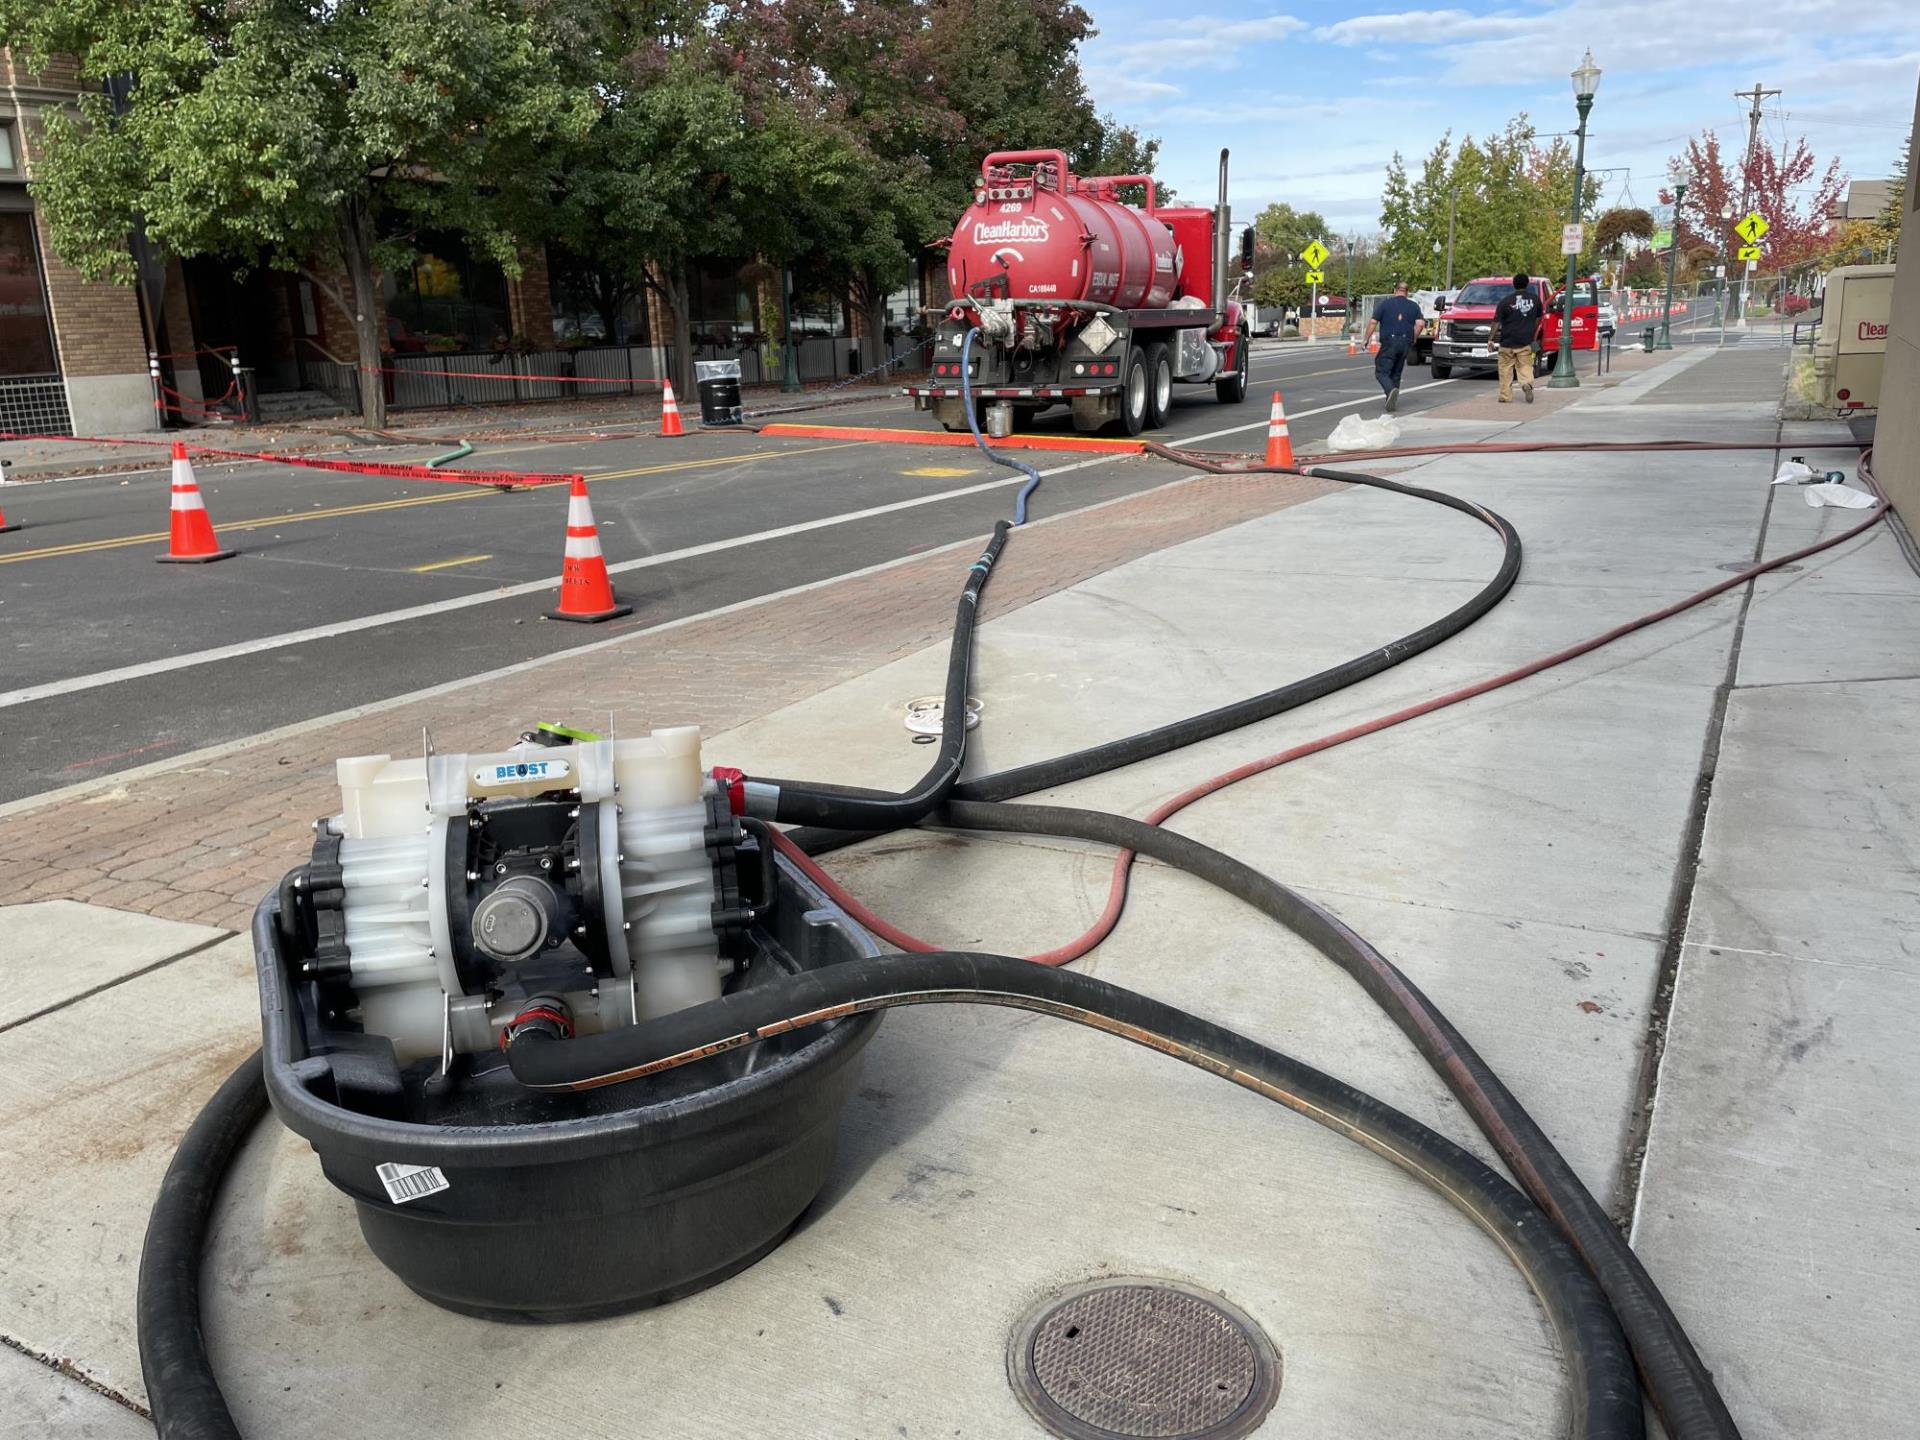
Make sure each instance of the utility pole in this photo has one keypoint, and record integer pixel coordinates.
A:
(1756, 95)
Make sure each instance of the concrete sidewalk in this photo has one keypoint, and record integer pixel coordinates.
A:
(1664, 889)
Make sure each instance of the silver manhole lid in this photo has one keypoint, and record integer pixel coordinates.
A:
(1146, 1360)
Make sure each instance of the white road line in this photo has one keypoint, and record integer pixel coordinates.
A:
(79, 683)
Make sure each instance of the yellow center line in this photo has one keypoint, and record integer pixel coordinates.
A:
(88, 547)
(449, 564)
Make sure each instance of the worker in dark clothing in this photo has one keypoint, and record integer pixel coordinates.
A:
(1399, 322)
(1516, 331)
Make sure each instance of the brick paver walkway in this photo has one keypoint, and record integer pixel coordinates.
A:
(202, 841)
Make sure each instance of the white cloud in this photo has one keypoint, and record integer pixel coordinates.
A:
(1121, 87)
(1207, 41)
(1422, 27)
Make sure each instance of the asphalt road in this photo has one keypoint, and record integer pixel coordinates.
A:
(112, 661)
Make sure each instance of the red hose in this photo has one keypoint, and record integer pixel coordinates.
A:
(1123, 861)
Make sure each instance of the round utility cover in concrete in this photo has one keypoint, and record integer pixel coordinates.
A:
(1143, 1360)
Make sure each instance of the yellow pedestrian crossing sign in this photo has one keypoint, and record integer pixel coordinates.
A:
(1749, 252)
(1316, 277)
(1315, 254)
(1753, 228)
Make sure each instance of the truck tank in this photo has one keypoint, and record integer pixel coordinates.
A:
(1052, 235)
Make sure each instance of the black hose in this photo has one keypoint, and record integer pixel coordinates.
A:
(1130, 750)
(802, 802)
(1677, 1380)
(1605, 1398)
(186, 1399)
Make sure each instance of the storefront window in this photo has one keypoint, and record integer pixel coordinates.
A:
(26, 335)
(447, 299)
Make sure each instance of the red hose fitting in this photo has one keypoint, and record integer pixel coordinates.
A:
(734, 783)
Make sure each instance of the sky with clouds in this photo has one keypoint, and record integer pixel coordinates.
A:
(1314, 99)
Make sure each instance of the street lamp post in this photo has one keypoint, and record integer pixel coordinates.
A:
(1351, 318)
(1586, 80)
(1436, 262)
(1453, 203)
(790, 356)
(1665, 342)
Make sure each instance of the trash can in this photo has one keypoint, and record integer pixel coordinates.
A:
(719, 384)
(1646, 339)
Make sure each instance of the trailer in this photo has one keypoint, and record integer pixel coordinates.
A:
(1065, 295)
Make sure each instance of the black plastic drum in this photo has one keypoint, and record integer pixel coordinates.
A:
(536, 1207)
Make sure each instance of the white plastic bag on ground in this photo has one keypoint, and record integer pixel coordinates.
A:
(1793, 472)
(1354, 433)
(1828, 493)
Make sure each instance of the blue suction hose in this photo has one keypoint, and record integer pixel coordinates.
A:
(973, 424)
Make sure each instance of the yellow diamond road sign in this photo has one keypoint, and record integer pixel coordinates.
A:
(1315, 254)
(1752, 228)
(1749, 252)
(1316, 277)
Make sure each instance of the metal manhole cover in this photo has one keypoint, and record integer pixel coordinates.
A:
(1145, 1360)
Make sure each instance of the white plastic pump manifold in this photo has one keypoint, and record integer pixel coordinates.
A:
(394, 822)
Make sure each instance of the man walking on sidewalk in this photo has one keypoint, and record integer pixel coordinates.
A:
(1399, 322)
(1516, 330)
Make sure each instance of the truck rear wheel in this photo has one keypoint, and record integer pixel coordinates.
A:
(1232, 392)
(1159, 384)
(1133, 394)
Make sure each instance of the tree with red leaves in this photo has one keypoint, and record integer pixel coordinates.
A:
(1766, 180)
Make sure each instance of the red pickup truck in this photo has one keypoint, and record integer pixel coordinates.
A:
(1465, 338)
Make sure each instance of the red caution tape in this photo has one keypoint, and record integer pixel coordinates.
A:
(503, 478)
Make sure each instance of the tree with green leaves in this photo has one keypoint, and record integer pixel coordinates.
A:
(1507, 196)
(281, 132)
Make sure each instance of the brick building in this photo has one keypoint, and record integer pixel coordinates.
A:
(73, 352)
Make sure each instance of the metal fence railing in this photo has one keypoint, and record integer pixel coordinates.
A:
(503, 377)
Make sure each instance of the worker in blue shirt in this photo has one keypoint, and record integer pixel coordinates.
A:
(1399, 322)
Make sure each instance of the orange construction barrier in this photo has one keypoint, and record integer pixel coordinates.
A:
(190, 537)
(670, 414)
(586, 591)
(1279, 445)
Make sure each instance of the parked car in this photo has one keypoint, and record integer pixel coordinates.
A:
(1465, 338)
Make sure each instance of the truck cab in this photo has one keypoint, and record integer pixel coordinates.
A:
(1465, 338)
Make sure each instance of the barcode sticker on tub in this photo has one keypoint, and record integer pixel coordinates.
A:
(410, 1182)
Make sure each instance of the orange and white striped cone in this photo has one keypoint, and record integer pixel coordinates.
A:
(1353, 346)
(190, 537)
(1373, 346)
(670, 415)
(1279, 444)
(586, 591)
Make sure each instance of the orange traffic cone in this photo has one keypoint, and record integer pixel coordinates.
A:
(586, 593)
(1374, 347)
(670, 415)
(1353, 346)
(190, 538)
(1279, 445)
(4, 526)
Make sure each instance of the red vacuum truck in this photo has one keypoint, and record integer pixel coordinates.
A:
(1083, 301)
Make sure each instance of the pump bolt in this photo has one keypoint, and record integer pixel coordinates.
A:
(573, 862)
(574, 814)
(472, 875)
(473, 822)
(501, 868)
(546, 862)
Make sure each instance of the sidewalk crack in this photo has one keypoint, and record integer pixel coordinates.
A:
(117, 980)
(61, 1365)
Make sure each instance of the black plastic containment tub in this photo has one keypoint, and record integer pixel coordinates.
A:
(658, 1190)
